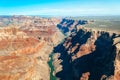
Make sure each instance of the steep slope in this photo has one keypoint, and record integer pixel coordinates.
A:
(84, 54)
(88, 55)
(117, 60)
(25, 47)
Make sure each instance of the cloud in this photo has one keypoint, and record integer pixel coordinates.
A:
(62, 11)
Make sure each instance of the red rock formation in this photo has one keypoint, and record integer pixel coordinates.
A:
(16, 62)
(90, 51)
(24, 50)
(16, 67)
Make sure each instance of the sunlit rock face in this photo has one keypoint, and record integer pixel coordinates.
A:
(117, 60)
(16, 67)
(88, 54)
(17, 54)
(84, 54)
(15, 41)
(25, 45)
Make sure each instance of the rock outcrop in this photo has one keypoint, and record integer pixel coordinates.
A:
(16, 67)
(25, 46)
(88, 54)
(18, 58)
(68, 26)
(117, 60)
(85, 54)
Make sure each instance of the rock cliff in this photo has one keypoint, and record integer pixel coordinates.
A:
(25, 46)
(88, 54)
(85, 54)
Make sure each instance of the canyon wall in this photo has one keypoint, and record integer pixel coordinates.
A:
(87, 54)
(25, 47)
(80, 54)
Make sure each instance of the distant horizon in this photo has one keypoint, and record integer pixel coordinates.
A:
(60, 7)
(64, 16)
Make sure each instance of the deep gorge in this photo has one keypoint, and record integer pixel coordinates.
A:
(85, 54)
(36, 48)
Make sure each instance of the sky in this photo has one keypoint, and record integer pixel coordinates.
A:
(60, 7)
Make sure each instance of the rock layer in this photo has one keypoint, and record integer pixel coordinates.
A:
(88, 54)
(85, 54)
(25, 47)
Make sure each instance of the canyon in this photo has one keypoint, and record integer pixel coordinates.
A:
(25, 49)
(36, 48)
(87, 54)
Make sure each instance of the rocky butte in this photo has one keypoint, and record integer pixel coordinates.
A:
(79, 52)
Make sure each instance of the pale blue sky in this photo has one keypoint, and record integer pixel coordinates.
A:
(60, 7)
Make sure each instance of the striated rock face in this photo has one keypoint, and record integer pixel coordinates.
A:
(18, 55)
(12, 43)
(25, 47)
(27, 21)
(16, 67)
(85, 54)
(88, 55)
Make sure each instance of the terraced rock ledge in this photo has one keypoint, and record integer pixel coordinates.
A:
(87, 54)
(35, 48)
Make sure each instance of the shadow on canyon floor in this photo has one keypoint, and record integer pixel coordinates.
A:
(98, 63)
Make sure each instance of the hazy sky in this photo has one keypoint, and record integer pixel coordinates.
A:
(60, 7)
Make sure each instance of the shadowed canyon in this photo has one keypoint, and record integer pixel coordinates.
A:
(37, 48)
